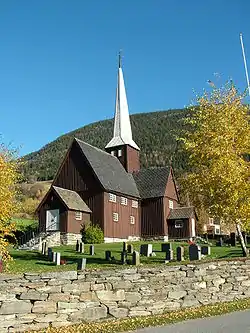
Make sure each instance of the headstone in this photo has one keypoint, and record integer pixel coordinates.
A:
(136, 258)
(221, 241)
(107, 255)
(91, 250)
(146, 249)
(125, 247)
(169, 255)
(50, 255)
(233, 239)
(1, 264)
(180, 253)
(77, 245)
(81, 247)
(165, 247)
(44, 246)
(130, 248)
(123, 257)
(194, 252)
(206, 250)
(58, 258)
(81, 265)
(54, 256)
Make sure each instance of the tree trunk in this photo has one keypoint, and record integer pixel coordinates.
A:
(242, 241)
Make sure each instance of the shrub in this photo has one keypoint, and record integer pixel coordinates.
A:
(92, 234)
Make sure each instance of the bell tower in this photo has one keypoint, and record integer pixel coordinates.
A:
(122, 144)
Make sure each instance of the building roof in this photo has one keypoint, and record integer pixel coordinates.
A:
(152, 182)
(181, 213)
(122, 127)
(109, 171)
(71, 199)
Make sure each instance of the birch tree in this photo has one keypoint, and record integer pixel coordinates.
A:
(218, 145)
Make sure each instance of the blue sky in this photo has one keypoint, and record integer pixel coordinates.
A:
(58, 59)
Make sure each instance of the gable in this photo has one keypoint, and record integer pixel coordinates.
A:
(75, 173)
(171, 190)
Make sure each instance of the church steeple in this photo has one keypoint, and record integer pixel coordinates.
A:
(122, 133)
(122, 144)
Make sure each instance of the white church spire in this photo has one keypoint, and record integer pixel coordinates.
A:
(122, 134)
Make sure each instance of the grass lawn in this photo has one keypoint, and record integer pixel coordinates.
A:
(29, 261)
(22, 224)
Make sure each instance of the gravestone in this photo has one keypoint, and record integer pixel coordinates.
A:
(50, 254)
(194, 252)
(206, 250)
(44, 248)
(124, 247)
(233, 239)
(123, 257)
(165, 247)
(81, 247)
(58, 258)
(54, 256)
(91, 250)
(130, 248)
(136, 258)
(77, 245)
(1, 264)
(169, 255)
(107, 255)
(146, 250)
(221, 241)
(180, 253)
(81, 264)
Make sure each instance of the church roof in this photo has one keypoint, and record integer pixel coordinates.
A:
(181, 213)
(71, 199)
(109, 171)
(152, 182)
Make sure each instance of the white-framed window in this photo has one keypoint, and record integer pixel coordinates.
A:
(210, 221)
(78, 215)
(132, 219)
(112, 197)
(119, 152)
(171, 204)
(178, 224)
(115, 217)
(134, 204)
(112, 152)
(124, 201)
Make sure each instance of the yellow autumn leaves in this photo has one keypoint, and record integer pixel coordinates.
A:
(218, 145)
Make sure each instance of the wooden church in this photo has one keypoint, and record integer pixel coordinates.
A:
(110, 189)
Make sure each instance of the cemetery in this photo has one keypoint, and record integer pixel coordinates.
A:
(113, 255)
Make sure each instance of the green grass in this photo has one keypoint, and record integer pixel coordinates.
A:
(24, 224)
(132, 324)
(30, 261)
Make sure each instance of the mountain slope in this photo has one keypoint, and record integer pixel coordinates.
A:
(154, 133)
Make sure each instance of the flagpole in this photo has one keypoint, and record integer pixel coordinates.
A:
(245, 62)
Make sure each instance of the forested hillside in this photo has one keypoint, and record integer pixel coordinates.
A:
(154, 133)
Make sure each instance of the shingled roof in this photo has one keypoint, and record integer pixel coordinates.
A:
(71, 199)
(152, 182)
(109, 171)
(181, 213)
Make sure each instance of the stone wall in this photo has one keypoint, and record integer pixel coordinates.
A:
(33, 301)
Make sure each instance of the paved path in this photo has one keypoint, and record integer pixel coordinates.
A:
(235, 322)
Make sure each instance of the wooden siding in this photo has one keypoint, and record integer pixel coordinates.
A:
(53, 202)
(179, 233)
(74, 226)
(123, 228)
(96, 204)
(152, 217)
(130, 157)
(75, 173)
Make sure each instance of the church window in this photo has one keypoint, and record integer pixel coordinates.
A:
(134, 204)
(124, 201)
(78, 215)
(119, 153)
(171, 204)
(132, 219)
(112, 197)
(115, 217)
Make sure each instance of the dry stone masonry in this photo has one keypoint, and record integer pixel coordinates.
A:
(33, 301)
